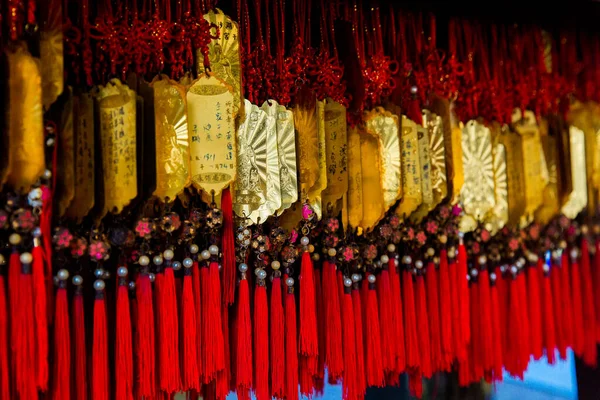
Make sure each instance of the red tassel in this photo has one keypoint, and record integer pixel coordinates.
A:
(309, 344)
(4, 371)
(228, 248)
(410, 322)
(590, 352)
(145, 337)
(291, 347)
(597, 288)
(515, 335)
(415, 384)
(485, 330)
(576, 298)
(397, 316)
(463, 293)
(350, 383)
(224, 376)
(413, 111)
(372, 338)
(307, 369)
(333, 323)
(243, 339)
(197, 308)
(423, 337)
(123, 350)
(40, 316)
(535, 314)
(319, 378)
(525, 324)
(213, 352)
(22, 326)
(503, 298)
(360, 352)
(497, 329)
(80, 350)
(568, 321)
(475, 347)
(100, 381)
(445, 310)
(46, 229)
(458, 343)
(557, 301)
(261, 343)
(189, 325)
(62, 350)
(169, 376)
(388, 340)
(277, 336)
(549, 327)
(431, 282)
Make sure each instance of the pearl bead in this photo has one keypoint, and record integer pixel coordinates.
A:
(131, 285)
(482, 260)
(385, 259)
(419, 264)
(347, 282)
(406, 260)
(574, 253)
(63, 274)
(546, 268)
(275, 265)
(194, 248)
(157, 260)
(521, 262)
(106, 275)
(168, 254)
(47, 174)
(77, 280)
(514, 270)
(391, 247)
(372, 278)
(413, 90)
(122, 272)
(304, 241)
(289, 281)
(26, 258)
(99, 285)
(493, 276)
(213, 250)
(188, 262)
(98, 273)
(430, 252)
(37, 232)
(331, 252)
(355, 277)
(176, 265)
(14, 239)
(243, 267)
(205, 254)
(151, 277)
(474, 272)
(144, 261)
(262, 274)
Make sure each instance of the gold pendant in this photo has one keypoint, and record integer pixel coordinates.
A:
(83, 125)
(65, 180)
(51, 55)
(26, 161)
(211, 130)
(385, 125)
(426, 184)
(372, 195)
(412, 191)
(336, 156)
(437, 152)
(117, 104)
(172, 143)
(307, 144)
(316, 191)
(498, 216)
(355, 186)
(579, 197)
(551, 204)
(513, 146)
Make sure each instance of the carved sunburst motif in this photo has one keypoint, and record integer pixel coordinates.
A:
(437, 154)
(499, 214)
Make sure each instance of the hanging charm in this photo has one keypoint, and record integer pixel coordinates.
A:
(355, 188)
(336, 155)
(51, 53)
(437, 156)
(412, 193)
(579, 197)
(372, 192)
(65, 178)
(513, 152)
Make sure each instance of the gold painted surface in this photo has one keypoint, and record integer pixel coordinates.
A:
(286, 147)
(513, 145)
(25, 120)
(437, 152)
(83, 124)
(426, 177)
(224, 57)
(211, 130)
(579, 197)
(355, 187)
(172, 142)
(458, 180)
(51, 53)
(477, 194)
(551, 204)
(117, 104)
(441, 107)
(498, 217)
(307, 145)
(581, 116)
(65, 179)
(336, 154)
(385, 126)
(372, 195)
(412, 193)
(315, 193)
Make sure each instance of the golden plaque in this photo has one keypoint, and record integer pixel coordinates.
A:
(336, 155)
(551, 204)
(51, 54)
(385, 126)
(316, 191)
(117, 104)
(65, 178)
(355, 187)
(581, 116)
(372, 194)
(172, 142)
(513, 154)
(426, 177)
(498, 216)
(412, 191)
(579, 197)
(211, 130)
(437, 153)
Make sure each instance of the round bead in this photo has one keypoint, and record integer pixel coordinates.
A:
(144, 261)
(122, 272)
(311, 248)
(385, 259)
(106, 275)
(55, 280)
(493, 277)
(168, 254)
(47, 174)
(98, 273)
(474, 272)
(391, 247)
(243, 267)
(262, 274)
(574, 253)
(205, 254)
(188, 262)
(406, 260)
(347, 282)
(413, 90)
(430, 252)
(482, 260)
(194, 248)
(14, 239)
(77, 280)
(331, 252)
(372, 278)
(514, 270)
(131, 285)
(355, 277)
(546, 268)
(157, 260)
(275, 265)
(63, 274)
(213, 250)
(419, 264)
(37, 232)
(152, 277)
(99, 284)
(289, 281)
(304, 241)
(176, 265)
(26, 258)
